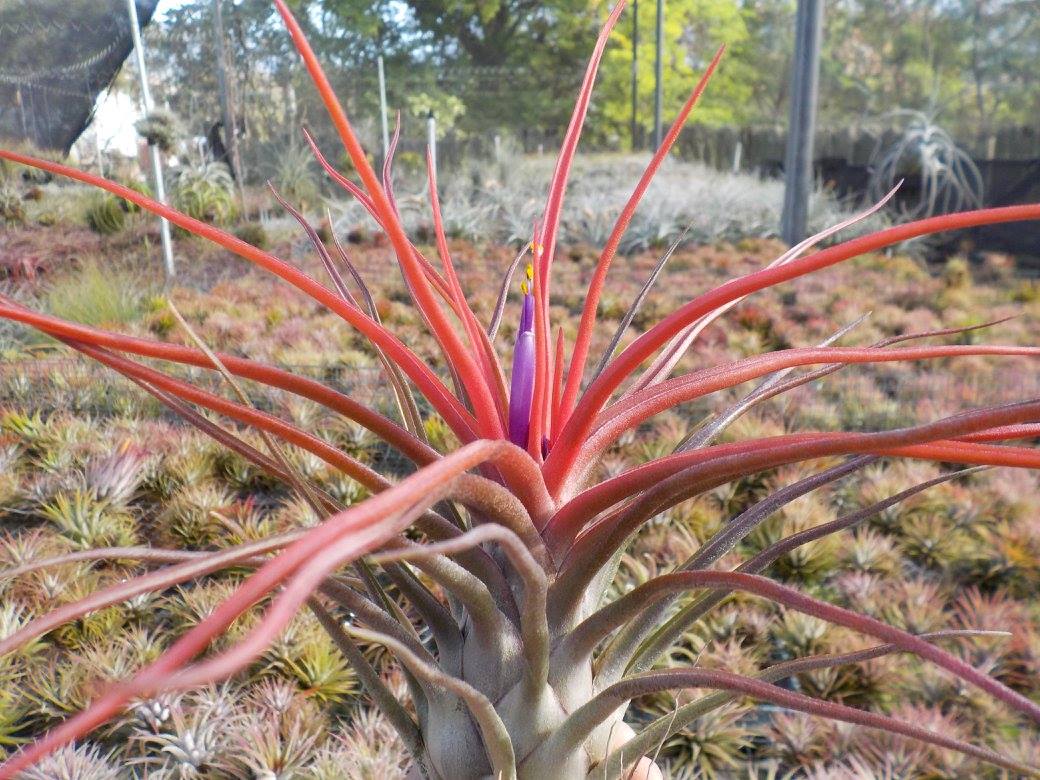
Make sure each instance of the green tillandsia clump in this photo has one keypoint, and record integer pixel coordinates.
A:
(253, 233)
(12, 209)
(206, 192)
(97, 293)
(107, 214)
(486, 572)
(159, 128)
(296, 178)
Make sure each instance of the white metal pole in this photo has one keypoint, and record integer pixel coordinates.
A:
(383, 108)
(157, 171)
(97, 138)
(431, 138)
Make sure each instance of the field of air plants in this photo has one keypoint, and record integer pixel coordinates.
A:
(379, 525)
(92, 461)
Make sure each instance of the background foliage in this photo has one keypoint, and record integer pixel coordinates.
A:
(514, 64)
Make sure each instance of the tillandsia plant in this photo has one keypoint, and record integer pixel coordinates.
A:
(506, 547)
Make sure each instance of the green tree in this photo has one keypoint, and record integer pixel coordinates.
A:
(970, 63)
(275, 97)
(693, 31)
(487, 66)
(515, 63)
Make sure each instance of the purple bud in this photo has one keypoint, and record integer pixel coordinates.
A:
(521, 380)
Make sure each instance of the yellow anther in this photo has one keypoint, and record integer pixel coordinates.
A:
(523, 287)
(529, 271)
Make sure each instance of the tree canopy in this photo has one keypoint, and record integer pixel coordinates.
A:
(512, 66)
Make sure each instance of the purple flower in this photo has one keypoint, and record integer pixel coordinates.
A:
(521, 380)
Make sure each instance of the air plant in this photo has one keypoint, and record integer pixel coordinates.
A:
(947, 177)
(503, 545)
(206, 192)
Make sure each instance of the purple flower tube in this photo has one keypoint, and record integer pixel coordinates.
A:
(521, 380)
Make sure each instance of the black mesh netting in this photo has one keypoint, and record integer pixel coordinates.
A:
(56, 56)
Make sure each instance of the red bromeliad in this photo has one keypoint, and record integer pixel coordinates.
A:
(526, 672)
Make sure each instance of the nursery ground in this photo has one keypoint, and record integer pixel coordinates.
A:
(88, 460)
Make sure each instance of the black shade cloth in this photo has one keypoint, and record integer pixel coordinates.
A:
(56, 56)
(1004, 183)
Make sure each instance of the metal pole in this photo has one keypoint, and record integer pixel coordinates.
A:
(383, 108)
(431, 139)
(227, 97)
(805, 83)
(635, 74)
(658, 74)
(97, 141)
(146, 99)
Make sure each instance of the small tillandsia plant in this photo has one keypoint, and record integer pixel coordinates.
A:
(525, 669)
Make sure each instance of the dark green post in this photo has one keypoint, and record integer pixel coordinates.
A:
(805, 82)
